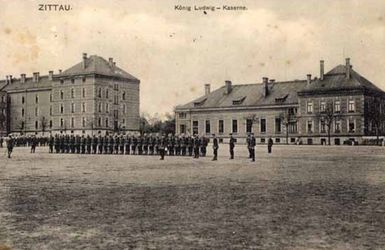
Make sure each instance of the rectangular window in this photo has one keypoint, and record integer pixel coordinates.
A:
(195, 127)
(310, 127)
(249, 125)
(37, 99)
(337, 126)
(182, 115)
(352, 126)
(208, 127)
(337, 106)
(36, 111)
(83, 122)
(50, 110)
(84, 91)
(22, 112)
(263, 125)
(322, 106)
(235, 126)
(61, 109)
(221, 127)
(310, 107)
(99, 122)
(323, 127)
(351, 106)
(182, 128)
(107, 108)
(72, 122)
(277, 125)
(72, 107)
(72, 93)
(293, 127)
(124, 108)
(100, 107)
(83, 107)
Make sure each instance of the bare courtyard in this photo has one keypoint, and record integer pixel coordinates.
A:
(297, 198)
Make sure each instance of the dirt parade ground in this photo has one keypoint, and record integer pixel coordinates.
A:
(300, 197)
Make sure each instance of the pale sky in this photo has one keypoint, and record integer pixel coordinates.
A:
(174, 53)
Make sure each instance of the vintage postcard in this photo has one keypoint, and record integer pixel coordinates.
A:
(192, 124)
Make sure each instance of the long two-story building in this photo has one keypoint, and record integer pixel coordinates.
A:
(337, 107)
(93, 96)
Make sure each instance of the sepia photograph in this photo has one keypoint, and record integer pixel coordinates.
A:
(192, 124)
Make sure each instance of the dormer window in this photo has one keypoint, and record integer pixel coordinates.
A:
(239, 101)
(281, 99)
(199, 103)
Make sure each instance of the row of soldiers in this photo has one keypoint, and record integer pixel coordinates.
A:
(129, 144)
(23, 141)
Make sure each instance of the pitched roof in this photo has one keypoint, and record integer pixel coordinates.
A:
(16, 84)
(2, 84)
(98, 65)
(336, 79)
(249, 95)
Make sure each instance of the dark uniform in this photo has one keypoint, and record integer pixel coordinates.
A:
(94, 143)
(72, 144)
(128, 144)
(248, 139)
(56, 142)
(133, 145)
(197, 144)
(231, 145)
(122, 144)
(100, 144)
(116, 144)
(50, 144)
(171, 145)
(269, 145)
(162, 147)
(215, 148)
(10, 144)
(183, 145)
(83, 144)
(252, 144)
(77, 144)
(88, 144)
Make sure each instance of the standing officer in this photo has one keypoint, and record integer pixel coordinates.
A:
(231, 145)
(248, 144)
(190, 145)
(183, 145)
(197, 144)
(133, 145)
(94, 143)
(33, 144)
(252, 144)
(145, 144)
(56, 141)
(162, 147)
(88, 144)
(50, 144)
(269, 145)
(128, 144)
(215, 147)
(116, 144)
(10, 144)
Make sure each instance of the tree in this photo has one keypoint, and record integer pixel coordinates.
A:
(288, 117)
(328, 116)
(375, 115)
(44, 124)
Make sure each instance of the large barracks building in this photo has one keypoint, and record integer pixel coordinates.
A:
(340, 103)
(94, 96)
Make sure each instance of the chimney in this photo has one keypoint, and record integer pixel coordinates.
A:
(10, 78)
(308, 80)
(321, 74)
(207, 89)
(60, 71)
(36, 77)
(6, 79)
(265, 90)
(111, 62)
(272, 80)
(50, 75)
(22, 78)
(347, 68)
(228, 87)
(84, 60)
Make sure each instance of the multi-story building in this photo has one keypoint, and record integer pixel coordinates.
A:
(299, 111)
(3, 110)
(93, 96)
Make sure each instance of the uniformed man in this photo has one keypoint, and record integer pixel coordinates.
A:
(197, 144)
(215, 148)
(269, 145)
(248, 144)
(94, 143)
(145, 144)
(190, 145)
(128, 144)
(10, 144)
(171, 144)
(72, 144)
(62, 146)
(231, 145)
(33, 144)
(116, 144)
(151, 144)
(105, 143)
(183, 143)
(88, 144)
(134, 142)
(252, 144)
(51, 144)
(162, 147)
(100, 144)
(77, 144)
(83, 144)
(177, 147)
(111, 144)
(157, 141)
(56, 142)
(122, 144)
(204, 143)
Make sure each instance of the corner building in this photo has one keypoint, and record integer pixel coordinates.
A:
(92, 97)
(290, 112)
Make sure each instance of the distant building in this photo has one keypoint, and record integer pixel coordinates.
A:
(299, 111)
(3, 110)
(93, 96)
